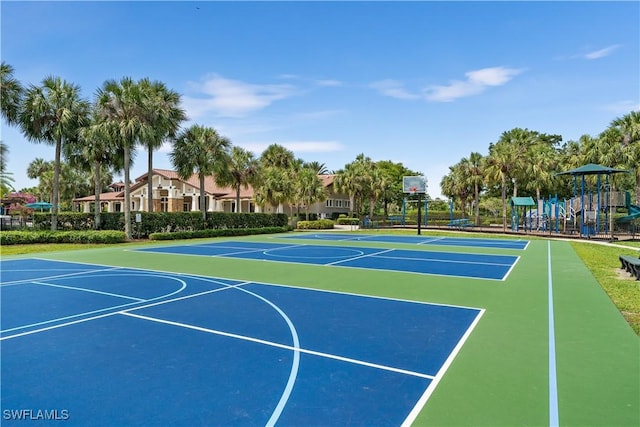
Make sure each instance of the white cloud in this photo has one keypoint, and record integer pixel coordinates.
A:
(597, 54)
(393, 88)
(233, 98)
(328, 83)
(477, 81)
(297, 146)
(623, 107)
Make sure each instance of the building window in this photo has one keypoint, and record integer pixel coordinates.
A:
(164, 204)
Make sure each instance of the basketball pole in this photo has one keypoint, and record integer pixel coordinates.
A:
(419, 213)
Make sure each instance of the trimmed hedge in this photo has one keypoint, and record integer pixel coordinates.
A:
(161, 222)
(321, 224)
(198, 234)
(31, 237)
(348, 221)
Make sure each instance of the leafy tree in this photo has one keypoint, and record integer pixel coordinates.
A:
(121, 116)
(53, 113)
(240, 171)
(199, 149)
(11, 93)
(629, 126)
(309, 188)
(163, 116)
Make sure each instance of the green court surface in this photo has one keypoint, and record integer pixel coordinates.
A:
(504, 373)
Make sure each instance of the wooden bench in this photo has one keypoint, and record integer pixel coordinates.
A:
(631, 264)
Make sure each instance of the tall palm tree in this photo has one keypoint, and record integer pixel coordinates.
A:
(53, 113)
(96, 151)
(475, 171)
(11, 92)
(348, 181)
(240, 171)
(121, 115)
(163, 116)
(277, 169)
(199, 149)
(309, 188)
(501, 163)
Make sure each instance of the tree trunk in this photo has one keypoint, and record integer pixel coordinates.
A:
(238, 210)
(149, 183)
(56, 187)
(477, 202)
(203, 204)
(127, 193)
(504, 204)
(96, 189)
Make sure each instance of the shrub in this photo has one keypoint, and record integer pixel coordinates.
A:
(220, 232)
(321, 224)
(32, 237)
(348, 221)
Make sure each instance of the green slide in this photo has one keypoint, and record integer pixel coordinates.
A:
(634, 213)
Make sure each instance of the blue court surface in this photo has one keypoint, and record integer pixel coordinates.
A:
(415, 240)
(455, 264)
(119, 347)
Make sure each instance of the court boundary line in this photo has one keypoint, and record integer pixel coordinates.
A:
(58, 276)
(282, 346)
(73, 288)
(211, 278)
(357, 257)
(502, 279)
(114, 307)
(422, 401)
(113, 313)
(467, 239)
(553, 381)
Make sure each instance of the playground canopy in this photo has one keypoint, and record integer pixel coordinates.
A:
(522, 201)
(592, 169)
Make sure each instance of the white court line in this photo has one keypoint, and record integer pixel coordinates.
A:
(553, 381)
(444, 260)
(435, 239)
(432, 386)
(511, 269)
(113, 313)
(57, 276)
(282, 346)
(101, 310)
(73, 288)
(358, 257)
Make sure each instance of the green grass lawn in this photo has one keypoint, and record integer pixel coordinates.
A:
(501, 376)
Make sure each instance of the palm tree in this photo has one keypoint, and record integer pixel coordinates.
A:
(240, 171)
(41, 170)
(347, 181)
(500, 165)
(475, 171)
(629, 125)
(199, 149)
(53, 113)
(309, 188)
(11, 92)
(317, 167)
(275, 187)
(163, 116)
(5, 177)
(277, 169)
(121, 115)
(97, 152)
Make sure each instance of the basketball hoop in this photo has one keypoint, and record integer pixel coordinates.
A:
(413, 191)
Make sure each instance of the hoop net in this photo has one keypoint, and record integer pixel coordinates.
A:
(413, 190)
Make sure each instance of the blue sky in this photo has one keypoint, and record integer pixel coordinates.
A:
(422, 83)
